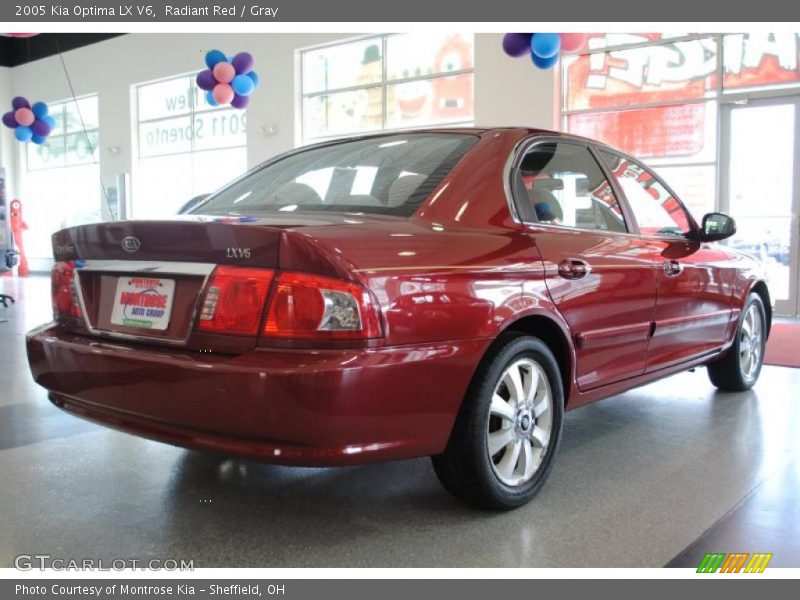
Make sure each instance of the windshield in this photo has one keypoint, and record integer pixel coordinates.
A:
(390, 175)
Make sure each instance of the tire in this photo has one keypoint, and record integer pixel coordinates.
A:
(466, 468)
(734, 372)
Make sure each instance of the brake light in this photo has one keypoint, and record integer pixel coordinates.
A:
(234, 300)
(63, 290)
(312, 307)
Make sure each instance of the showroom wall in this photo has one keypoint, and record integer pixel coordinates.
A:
(506, 92)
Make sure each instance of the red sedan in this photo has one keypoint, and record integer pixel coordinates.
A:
(444, 292)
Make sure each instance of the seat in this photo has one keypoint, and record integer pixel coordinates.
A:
(546, 205)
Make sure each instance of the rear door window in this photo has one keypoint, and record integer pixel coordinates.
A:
(560, 183)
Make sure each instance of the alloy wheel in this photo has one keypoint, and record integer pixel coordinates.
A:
(520, 422)
(751, 343)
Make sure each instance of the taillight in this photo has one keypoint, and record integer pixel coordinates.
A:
(312, 307)
(64, 292)
(234, 300)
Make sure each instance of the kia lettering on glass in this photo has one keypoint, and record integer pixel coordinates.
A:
(446, 293)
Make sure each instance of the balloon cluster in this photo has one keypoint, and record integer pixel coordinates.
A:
(228, 80)
(30, 123)
(543, 48)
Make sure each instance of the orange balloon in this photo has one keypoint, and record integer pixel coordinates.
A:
(223, 93)
(224, 72)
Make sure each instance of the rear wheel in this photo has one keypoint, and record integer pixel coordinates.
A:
(738, 370)
(506, 435)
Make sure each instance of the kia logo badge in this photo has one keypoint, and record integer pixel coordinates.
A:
(131, 244)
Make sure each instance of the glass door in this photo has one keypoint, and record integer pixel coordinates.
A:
(760, 188)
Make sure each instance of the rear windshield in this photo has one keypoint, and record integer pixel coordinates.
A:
(389, 175)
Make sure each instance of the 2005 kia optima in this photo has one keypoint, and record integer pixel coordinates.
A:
(443, 292)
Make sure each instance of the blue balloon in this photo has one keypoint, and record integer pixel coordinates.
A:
(50, 121)
(243, 85)
(545, 45)
(210, 99)
(23, 133)
(213, 57)
(38, 139)
(544, 63)
(39, 110)
(252, 75)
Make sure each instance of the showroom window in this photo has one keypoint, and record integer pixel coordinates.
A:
(186, 147)
(698, 108)
(658, 96)
(62, 180)
(386, 82)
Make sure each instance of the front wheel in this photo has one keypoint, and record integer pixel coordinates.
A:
(506, 435)
(738, 370)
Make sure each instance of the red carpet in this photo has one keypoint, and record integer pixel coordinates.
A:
(783, 346)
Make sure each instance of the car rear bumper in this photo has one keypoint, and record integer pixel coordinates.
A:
(303, 407)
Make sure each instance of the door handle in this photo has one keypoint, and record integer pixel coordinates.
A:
(573, 268)
(672, 268)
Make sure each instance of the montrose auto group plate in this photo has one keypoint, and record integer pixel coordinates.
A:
(143, 302)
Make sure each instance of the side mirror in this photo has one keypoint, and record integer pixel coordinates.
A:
(717, 226)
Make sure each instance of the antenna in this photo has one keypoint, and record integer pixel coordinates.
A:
(83, 126)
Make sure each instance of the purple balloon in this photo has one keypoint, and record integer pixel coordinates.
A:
(40, 128)
(20, 102)
(206, 80)
(242, 62)
(517, 44)
(9, 120)
(240, 101)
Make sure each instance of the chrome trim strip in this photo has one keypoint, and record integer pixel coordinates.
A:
(203, 270)
(147, 266)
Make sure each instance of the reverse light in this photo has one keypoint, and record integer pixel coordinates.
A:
(307, 306)
(234, 300)
(64, 291)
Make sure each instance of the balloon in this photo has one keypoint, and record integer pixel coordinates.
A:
(24, 116)
(224, 72)
(9, 120)
(20, 102)
(242, 85)
(210, 99)
(38, 139)
(544, 63)
(572, 42)
(23, 134)
(242, 62)
(240, 101)
(517, 44)
(50, 121)
(40, 128)
(223, 93)
(205, 80)
(213, 57)
(39, 109)
(254, 76)
(545, 45)
(21, 35)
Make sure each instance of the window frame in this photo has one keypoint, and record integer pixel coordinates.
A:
(691, 235)
(84, 132)
(518, 155)
(384, 83)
